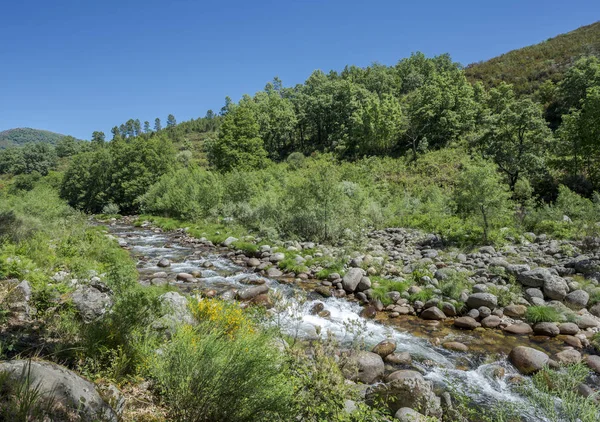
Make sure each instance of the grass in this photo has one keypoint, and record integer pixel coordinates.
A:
(290, 265)
(542, 314)
(384, 286)
(424, 295)
(508, 293)
(455, 284)
(215, 232)
(549, 384)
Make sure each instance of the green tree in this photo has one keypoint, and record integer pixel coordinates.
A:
(67, 146)
(439, 111)
(115, 132)
(98, 139)
(157, 126)
(377, 125)
(37, 157)
(87, 181)
(171, 122)
(514, 134)
(11, 159)
(480, 195)
(584, 74)
(227, 107)
(579, 138)
(239, 144)
(277, 122)
(137, 127)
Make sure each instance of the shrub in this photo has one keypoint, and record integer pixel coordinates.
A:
(204, 374)
(549, 385)
(542, 314)
(188, 193)
(110, 209)
(454, 285)
(321, 389)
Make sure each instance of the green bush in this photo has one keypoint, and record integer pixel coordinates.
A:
(204, 374)
(548, 385)
(542, 314)
(189, 193)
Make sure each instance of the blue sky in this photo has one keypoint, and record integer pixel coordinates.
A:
(78, 66)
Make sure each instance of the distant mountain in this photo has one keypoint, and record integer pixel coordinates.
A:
(528, 67)
(21, 136)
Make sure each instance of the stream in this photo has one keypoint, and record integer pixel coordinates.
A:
(484, 375)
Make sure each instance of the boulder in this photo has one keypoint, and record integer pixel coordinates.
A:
(595, 310)
(484, 312)
(433, 313)
(476, 300)
(410, 390)
(185, 277)
(64, 386)
(577, 299)
(456, 346)
(556, 288)
(277, 257)
(364, 284)
(492, 321)
(534, 278)
(515, 311)
(586, 321)
(406, 414)
(516, 269)
(351, 279)
(253, 262)
(91, 303)
(385, 348)
(448, 309)
(568, 357)
(519, 328)
(402, 358)
(549, 329)
(176, 311)
(528, 360)
(366, 367)
(593, 362)
(587, 266)
(466, 323)
(251, 292)
(568, 328)
(403, 373)
(273, 272)
(230, 240)
(163, 262)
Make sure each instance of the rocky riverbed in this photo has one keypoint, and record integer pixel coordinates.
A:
(426, 317)
(471, 341)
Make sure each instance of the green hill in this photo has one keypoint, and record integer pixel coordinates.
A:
(21, 136)
(528, 67)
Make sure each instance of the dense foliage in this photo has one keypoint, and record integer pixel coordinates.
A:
(413, 144)
(22, 136)
(527, 68)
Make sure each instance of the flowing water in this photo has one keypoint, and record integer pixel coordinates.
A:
(484, 375)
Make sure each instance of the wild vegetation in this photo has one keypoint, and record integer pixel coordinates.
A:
(326, 162)
(22, 136)
(530, 67)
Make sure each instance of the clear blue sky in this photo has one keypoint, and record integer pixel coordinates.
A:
(78, 66)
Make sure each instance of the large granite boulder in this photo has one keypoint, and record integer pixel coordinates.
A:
(63, 386)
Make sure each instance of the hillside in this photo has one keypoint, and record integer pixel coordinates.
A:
(528, 67)
(21, 136)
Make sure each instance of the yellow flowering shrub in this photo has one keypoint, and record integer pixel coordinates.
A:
(222, 315)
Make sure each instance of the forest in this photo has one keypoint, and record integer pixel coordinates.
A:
(405, 144)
